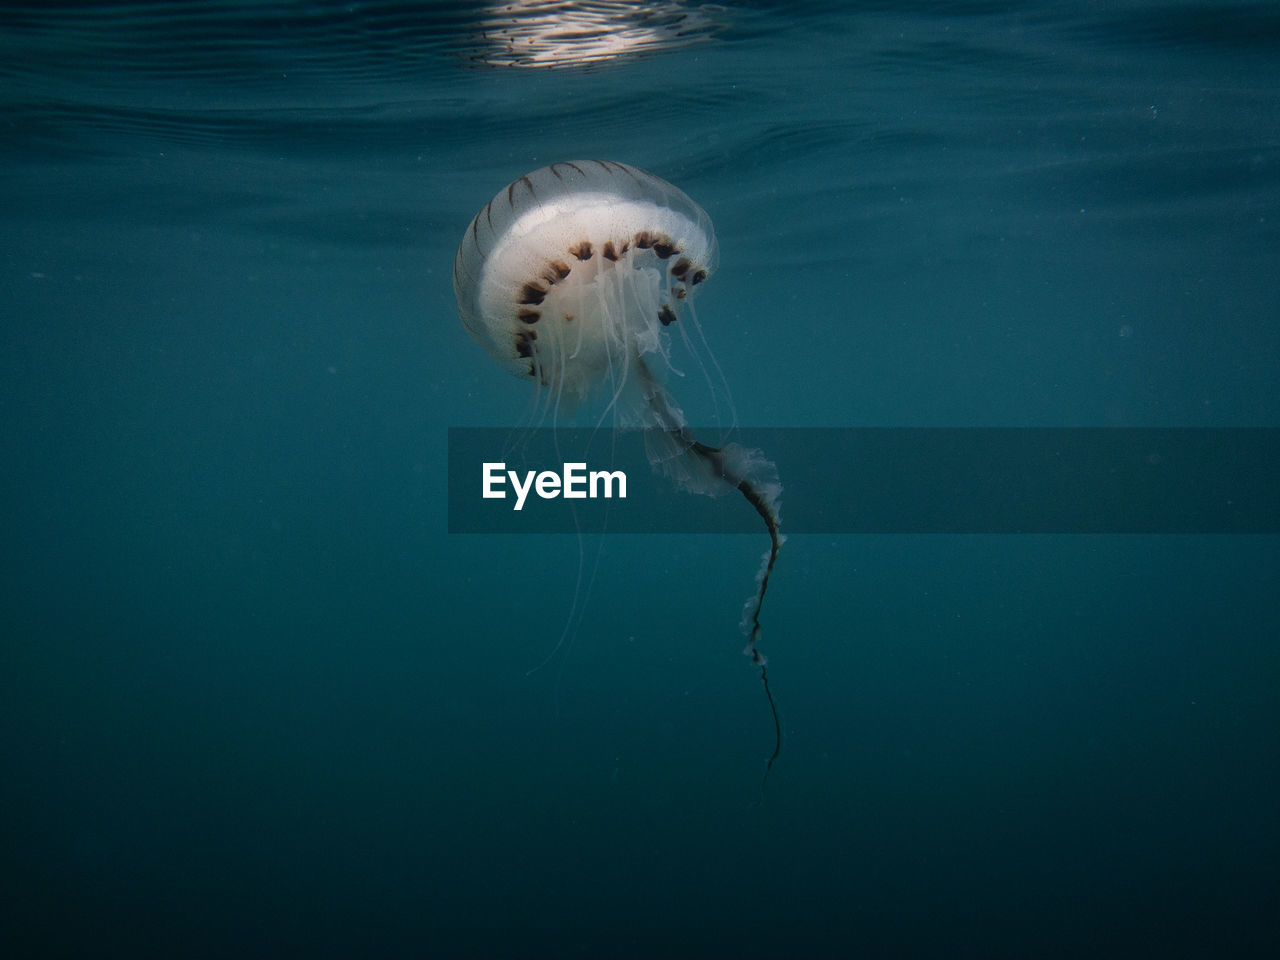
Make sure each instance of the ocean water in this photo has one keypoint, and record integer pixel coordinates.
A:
(256, 701)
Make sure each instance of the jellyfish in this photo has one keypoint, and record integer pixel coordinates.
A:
(573, 277)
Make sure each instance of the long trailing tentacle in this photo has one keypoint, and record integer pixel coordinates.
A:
(732, 465)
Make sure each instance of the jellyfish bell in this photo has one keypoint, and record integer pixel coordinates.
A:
(574, 277)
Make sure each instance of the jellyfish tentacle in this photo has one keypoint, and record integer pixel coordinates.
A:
(732, 465)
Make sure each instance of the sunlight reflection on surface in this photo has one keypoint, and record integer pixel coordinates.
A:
(549, 33)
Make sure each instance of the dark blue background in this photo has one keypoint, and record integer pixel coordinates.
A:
(255, 701)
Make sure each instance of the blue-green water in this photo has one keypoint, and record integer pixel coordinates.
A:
(255, 700)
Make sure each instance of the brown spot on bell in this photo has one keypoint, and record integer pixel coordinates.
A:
(524, 342)
(667, 315)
